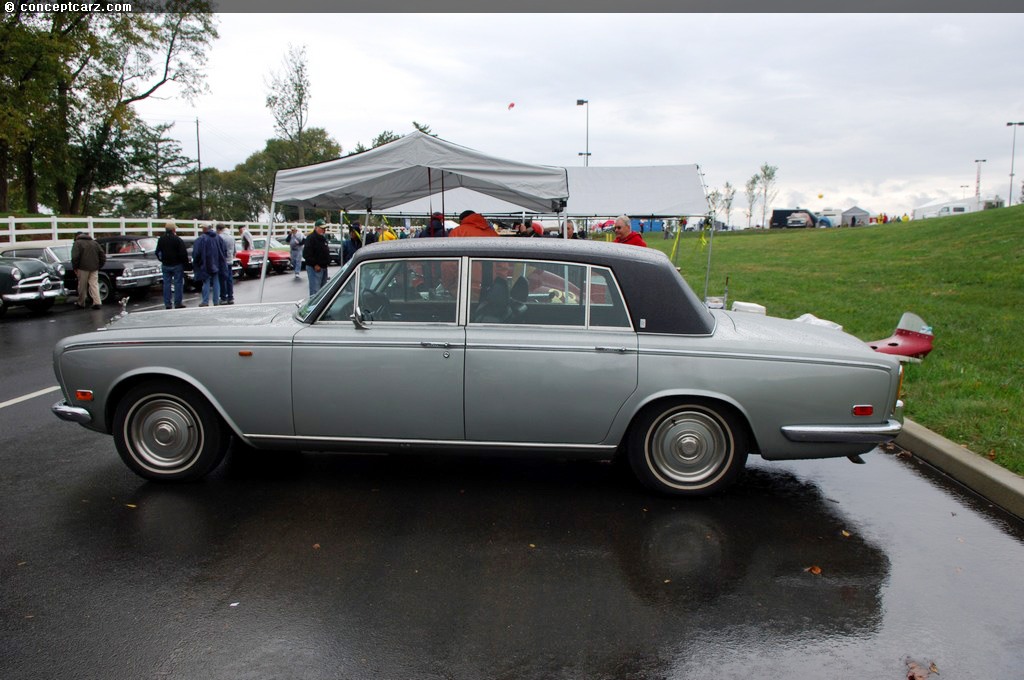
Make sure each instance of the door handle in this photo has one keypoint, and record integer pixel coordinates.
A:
(437, 345)
(619, 350)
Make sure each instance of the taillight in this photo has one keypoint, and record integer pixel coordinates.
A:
(863, 410)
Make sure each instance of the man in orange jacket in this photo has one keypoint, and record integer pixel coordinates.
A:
(473, 224)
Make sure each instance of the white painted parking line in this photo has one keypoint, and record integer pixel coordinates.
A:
(39, 393)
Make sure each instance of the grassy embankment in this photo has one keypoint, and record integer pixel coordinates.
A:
(963, 275)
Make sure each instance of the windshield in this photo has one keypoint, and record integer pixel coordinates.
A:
(310, 303)
(62, 252)
(261, 243)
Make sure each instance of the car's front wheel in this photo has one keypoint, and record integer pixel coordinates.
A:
(687, 447)
(167, 431)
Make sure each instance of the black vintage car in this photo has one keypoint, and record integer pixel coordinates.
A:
(29, 282)
(118, 277)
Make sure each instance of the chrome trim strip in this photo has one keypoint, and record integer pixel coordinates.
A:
(839, 434)
(74, 414)
(429, 442)
(177, 343)
(746, 356)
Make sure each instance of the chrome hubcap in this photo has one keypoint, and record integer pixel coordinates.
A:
(688, 447)
(165, 434)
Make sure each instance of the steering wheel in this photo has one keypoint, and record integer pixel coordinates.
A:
(375, 306)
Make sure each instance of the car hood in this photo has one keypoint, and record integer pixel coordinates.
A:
(233, 316)
(29, 266)
(765, 334)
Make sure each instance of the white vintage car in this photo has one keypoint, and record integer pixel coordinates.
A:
(494, 346)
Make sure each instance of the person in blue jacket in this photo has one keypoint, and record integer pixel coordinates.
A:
(208, 256)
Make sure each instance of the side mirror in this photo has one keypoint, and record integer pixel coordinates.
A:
(359, 319)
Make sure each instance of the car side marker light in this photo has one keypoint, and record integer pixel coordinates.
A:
(863, 410)
(245, 353)
(83, 395)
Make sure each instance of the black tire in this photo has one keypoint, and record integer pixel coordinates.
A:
(167, 431)
(107, 293)
(39, 306)
(687, 447)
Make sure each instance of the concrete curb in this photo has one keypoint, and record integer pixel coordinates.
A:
(995, 483)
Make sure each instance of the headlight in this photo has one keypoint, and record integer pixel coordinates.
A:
(16, 274)
(128, 271)
(60, 270)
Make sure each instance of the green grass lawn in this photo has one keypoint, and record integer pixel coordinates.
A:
(963, 275)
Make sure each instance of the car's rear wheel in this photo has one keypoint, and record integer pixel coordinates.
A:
(687, 447)
(167, 431)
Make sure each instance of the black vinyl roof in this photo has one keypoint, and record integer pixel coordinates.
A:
(659, 299)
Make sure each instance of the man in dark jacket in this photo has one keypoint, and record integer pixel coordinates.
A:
(316, 255)
(353, 243)
(87, 258)
(434, 228)
(208, 255)
(173, 256)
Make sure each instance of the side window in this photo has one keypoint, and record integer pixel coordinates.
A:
(417, 291)
(606, 306)
(533, 293)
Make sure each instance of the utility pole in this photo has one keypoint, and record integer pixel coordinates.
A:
(199, 162)
(977, 181)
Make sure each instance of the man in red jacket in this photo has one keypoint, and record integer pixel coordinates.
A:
(624, 233)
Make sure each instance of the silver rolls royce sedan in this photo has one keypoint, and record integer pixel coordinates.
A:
(491, 346)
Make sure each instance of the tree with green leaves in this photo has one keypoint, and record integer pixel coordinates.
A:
(75, 79)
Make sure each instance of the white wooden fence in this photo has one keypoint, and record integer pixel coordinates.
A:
(55, 228)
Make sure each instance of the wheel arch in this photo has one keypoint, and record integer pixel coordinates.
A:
(710, 399)
(135, 378)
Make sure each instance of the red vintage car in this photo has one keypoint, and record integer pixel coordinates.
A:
(252, 260)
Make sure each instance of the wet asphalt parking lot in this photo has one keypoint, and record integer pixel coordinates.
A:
(328, 566)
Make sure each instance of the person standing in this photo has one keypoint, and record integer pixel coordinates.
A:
(435, 227)
(624, 233)
(173, 256)
(247, 242)
(317, 255)
(87, 258)
(207, 259)
(226, 276)
(353, 243)
(472, 224)
(295, 239)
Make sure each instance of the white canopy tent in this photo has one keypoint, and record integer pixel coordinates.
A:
(415, 166)
(648, 191)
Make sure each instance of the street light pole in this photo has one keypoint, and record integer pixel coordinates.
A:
(585, 103)
(977, 181)
(1013, 152)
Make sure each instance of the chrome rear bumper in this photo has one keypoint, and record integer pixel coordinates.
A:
(850, 434)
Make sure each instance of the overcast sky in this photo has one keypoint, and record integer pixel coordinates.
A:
(883, 111)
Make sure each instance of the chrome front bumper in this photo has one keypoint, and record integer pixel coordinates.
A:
(74, 414)
(31, 295)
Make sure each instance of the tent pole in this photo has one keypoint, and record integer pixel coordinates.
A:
(266, 254)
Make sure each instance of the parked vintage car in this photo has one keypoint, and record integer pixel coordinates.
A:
(252, 260)
(190, 276)
(29, 282)
(499, 346)
(117, 277)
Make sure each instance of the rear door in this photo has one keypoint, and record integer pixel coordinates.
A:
(558, 366)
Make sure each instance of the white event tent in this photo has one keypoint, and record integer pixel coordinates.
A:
(642, 191)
